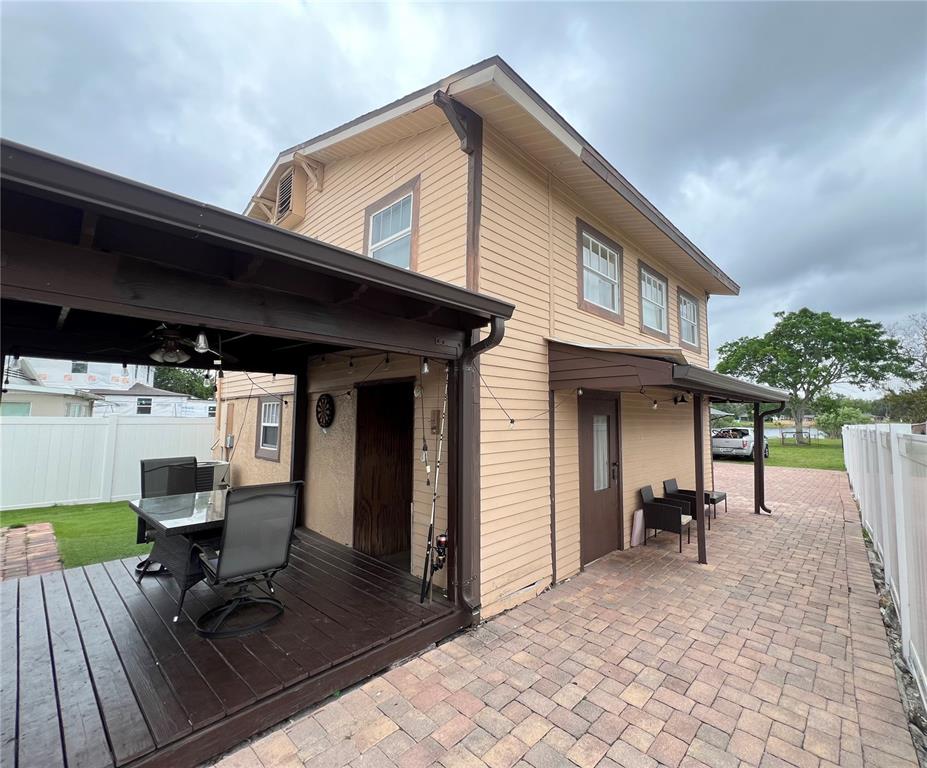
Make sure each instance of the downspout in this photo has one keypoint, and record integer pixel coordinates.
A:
(468, 586)
(759, 443)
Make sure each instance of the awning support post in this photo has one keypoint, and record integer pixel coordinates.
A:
(759, 449)
(698, 420)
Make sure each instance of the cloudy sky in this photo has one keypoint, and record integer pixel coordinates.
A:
(789, 141)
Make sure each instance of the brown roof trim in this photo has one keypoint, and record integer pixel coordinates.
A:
(47, 175)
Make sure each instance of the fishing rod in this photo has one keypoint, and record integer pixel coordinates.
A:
(436, 547)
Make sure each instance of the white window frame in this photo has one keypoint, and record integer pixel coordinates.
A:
(685, 322)
(143, 402)
(646, 273)
(272, 406)
(373, 247)
(28, 409)
(611, 253)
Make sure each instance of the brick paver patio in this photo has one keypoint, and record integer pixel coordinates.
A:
(28, 550)
(773, 655)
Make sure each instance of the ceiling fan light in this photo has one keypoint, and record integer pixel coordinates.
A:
(202, 343)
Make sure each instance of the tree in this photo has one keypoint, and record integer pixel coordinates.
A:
(832, 422)
(186, 381)
(807, 352)
(908, 407)
(912, 338)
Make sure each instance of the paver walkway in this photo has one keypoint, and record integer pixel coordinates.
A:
(773, 655)
(28, 550)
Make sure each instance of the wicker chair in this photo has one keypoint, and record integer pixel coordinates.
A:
(664, 514)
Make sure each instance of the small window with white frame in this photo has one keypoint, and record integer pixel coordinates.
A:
(688, 319)
(391, 224)
(267, 436)
(654, 291)
(143, 406)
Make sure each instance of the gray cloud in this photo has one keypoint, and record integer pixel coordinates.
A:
(786, 139)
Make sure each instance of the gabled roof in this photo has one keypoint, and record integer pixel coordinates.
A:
(140, 390)
(494, 90)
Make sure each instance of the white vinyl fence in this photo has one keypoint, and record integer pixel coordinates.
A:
(52, 460)
(887, 466)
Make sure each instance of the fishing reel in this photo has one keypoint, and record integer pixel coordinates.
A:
(440, 554)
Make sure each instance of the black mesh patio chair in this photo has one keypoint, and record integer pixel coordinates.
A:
(711, 497)
(255, 546)
(162, 477)
(664, 514)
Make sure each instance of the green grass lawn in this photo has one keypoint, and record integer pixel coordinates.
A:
(86, 533)
(818, 454)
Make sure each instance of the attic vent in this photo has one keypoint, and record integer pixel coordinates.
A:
(290, 207)
(285, 195)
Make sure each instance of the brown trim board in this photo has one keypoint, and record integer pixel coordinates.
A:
(553, 486)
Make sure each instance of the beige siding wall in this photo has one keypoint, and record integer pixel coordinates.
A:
(528, 256)
(656, 445)
(336, 214)
(329, 499)
(566, 482)
(239, 417)
(515, 550)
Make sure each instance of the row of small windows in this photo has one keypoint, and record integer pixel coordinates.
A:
(601, 286)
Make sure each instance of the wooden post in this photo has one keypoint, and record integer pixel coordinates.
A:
(698, 419)
(299, 440)
(759, 492)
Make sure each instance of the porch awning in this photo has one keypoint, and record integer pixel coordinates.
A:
(81, 246)
(627, 369)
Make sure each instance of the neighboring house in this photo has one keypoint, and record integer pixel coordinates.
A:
(477, 181)
(142, 400)
(89, 375)
(25, 394)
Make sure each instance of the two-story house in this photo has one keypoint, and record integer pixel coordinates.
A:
(591, 394)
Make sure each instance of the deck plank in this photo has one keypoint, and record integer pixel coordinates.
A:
(85, 744)
(165, 716)
(387, 587)
(190, 684)
(256, 674)
(39, 729)
(122, 716)
(9, 669)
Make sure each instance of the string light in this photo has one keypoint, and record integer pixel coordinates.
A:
(425, 367)
(654, 405)
(386, 362)
(350, 362)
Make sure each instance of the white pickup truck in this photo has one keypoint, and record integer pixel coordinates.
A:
(735, 441)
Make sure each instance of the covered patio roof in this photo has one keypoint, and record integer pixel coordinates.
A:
(81, 245)
(626, 369)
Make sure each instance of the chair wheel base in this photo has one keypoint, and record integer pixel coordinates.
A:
(212, 623)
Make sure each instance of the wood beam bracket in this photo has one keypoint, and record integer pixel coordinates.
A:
(313, 169)
(266, 205)
(462, 119)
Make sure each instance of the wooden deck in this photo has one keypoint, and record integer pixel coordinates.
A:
(95, 674)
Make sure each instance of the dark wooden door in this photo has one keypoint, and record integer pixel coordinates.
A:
(383, 469)
(599, 517)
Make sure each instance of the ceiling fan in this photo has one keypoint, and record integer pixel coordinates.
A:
(172, 346)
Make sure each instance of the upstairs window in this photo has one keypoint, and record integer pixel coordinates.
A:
(599, 261)
(653, 302)
(143, 406)
(688, 319)
(78, 367)
(391, 227)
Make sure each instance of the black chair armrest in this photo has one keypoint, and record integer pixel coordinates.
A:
(683, 503)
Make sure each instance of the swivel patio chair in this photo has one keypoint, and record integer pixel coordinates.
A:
(255, 547)
(711, 497)
(162, 477)
(664, 514)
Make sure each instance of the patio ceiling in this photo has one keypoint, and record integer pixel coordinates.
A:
(81, 246)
